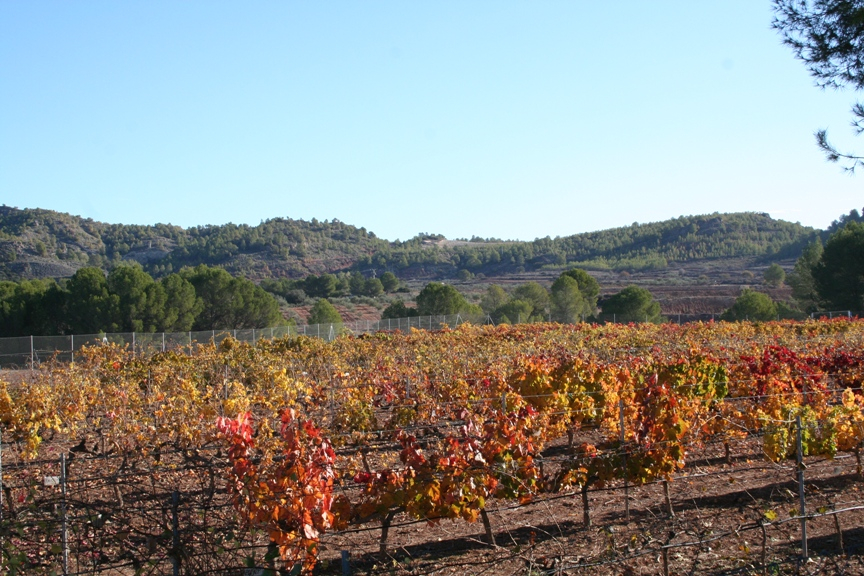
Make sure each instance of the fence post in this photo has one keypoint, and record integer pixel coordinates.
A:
(346, 563)
(72, 346)
(175, 533)
(801, 488)
(332, 409)
(64, 534)
(665, 553)
(163, 342)
(133, 343)
(624, 452)
(32, 357)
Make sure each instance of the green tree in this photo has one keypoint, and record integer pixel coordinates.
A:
(323, 312)
(440, 299)
(230, 302)
(801, 279)
(494, 297)
(7, 293)
(632, 304)
(513, 312)
(398, 309)
(31, 307)
(290, 290)
(373, 287)
(141, 301)
(253, 306)
(588, 287)
(213, 286)
(568, 304)
(751, 305)
(323, 286)
(774, 275)
(839, 275)
(357, 284)
(182, 305)
(90, 307)
(828, 36)
(535, 295)
(389, 282)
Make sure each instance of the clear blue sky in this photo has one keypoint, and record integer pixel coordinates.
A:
(500, 119)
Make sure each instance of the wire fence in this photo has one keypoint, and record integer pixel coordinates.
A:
(26, 351)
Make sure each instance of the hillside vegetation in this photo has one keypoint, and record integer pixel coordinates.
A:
(37, 243)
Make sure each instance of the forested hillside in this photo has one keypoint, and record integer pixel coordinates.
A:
(42, 243)
(38, 243)
(635, 247)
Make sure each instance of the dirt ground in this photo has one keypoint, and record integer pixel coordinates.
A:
(715, 503)
(715, 528)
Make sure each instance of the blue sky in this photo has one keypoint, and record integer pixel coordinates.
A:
(498, 119)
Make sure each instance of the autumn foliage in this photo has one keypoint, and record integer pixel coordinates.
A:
(436, 425)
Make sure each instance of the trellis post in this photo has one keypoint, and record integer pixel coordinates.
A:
(624, 453)
(346, 563)
(64, 530)
(175, 533)
(803, 514)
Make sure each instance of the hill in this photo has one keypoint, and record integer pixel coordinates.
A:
(36, 243)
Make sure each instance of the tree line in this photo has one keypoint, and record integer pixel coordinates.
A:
(128, 299)
(826, 277)
(573, 297)
(636, 247)
(331, 286)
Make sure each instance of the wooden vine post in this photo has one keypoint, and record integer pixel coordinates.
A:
(624, 452)
(385, 530)
(803, 513)
(490, 537)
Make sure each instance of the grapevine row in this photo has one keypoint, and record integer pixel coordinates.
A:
(438, 424)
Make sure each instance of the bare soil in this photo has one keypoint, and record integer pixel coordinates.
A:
(715, 503)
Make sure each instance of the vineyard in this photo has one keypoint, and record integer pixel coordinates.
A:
(534, 449)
